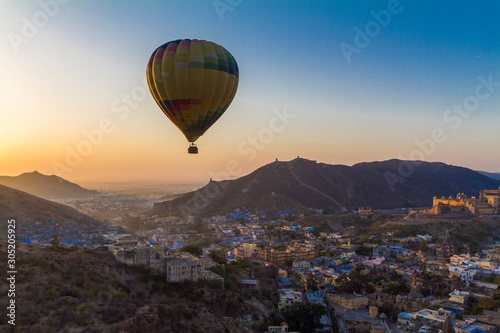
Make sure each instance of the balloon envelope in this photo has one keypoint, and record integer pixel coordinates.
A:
(193, 82)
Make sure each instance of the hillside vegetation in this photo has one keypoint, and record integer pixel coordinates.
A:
(82, 290)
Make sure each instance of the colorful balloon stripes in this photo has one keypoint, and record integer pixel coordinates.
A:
(193, 82)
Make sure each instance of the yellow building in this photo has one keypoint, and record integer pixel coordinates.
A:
(292, 252)
(282, 273)
(373, 312)
(437, 315)
(245, 251)
(349, 301)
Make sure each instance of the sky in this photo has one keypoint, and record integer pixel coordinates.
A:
(339, 82)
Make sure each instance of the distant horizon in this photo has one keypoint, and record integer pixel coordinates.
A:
(142, 182)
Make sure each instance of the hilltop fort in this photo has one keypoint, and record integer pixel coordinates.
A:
(487, 203)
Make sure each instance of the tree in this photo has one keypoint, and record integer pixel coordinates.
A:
(364, 251)
(395, 276)
(387, 308)
(356, 283)
(304, 317)
(199, 225)
(281, 247)
(346, 285)
(193, 249)
(325, 253)
(311, 283)
(488, 303)
(397, 288)
(218, 256)
(55, 240)
(377, 279)
(489, 279)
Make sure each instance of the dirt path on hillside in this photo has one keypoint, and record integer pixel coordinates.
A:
(312, 188)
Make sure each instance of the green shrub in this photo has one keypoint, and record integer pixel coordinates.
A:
(120, 294)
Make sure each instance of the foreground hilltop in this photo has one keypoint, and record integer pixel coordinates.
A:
(82, 290)
(300, 184)
(47, 187)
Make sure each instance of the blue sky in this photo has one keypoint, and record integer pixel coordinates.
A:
(383, 101)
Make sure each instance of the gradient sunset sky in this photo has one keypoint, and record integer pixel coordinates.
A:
(339, 82)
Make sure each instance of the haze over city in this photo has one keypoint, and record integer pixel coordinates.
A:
(339, 82)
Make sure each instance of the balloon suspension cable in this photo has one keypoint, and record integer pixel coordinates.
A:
(192, 148)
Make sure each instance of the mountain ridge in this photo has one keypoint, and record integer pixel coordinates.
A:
(494, 175)
(300, 184)
(48, 187)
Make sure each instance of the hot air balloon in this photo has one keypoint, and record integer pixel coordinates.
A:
(193, 82)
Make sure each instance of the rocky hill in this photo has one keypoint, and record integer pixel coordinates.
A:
(494, 175)
(47, 187)
(82, 290)
(28, 209)
(300, 184)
